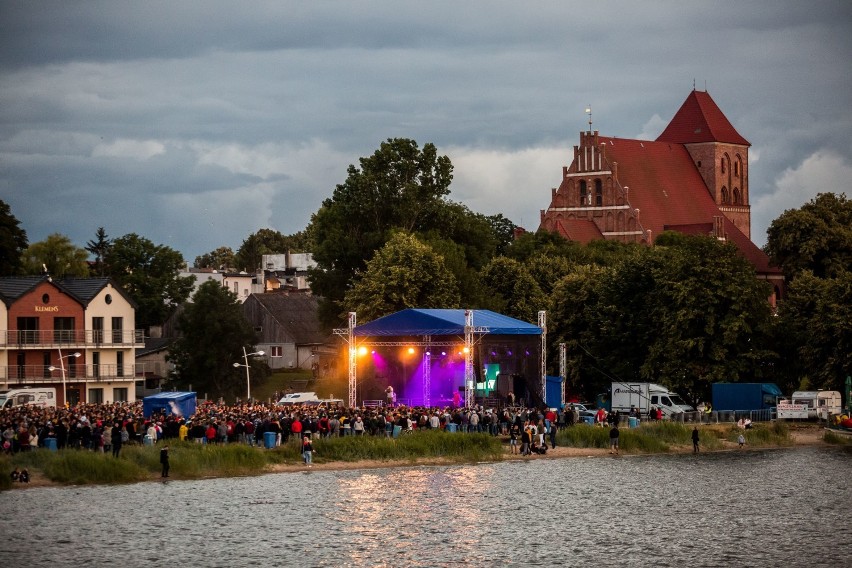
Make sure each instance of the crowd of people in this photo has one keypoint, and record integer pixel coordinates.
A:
(107, 427)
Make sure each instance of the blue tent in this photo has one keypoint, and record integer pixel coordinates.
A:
(177, 403)
(416, 322)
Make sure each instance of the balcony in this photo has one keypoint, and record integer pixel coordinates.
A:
(71, 339)
(41, 374)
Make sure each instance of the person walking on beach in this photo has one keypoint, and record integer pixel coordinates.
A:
(695, 440)
(613, 440)
(164, 460)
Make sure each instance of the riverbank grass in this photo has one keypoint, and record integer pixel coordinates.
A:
(647, 438)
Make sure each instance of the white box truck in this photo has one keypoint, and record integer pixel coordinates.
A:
(32, 396)
(645, 395)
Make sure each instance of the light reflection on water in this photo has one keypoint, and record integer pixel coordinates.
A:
(762, 508)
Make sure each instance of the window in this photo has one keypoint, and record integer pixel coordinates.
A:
(28, 330)
(96, 396)
(237, 288)
(63, 330)
(736, 169)
(119, 395)
(738, 200)
(119, 364)
(98, 330)
(726, 197)
(598, 193)
(583, 192)
(96, 364)
(47, 364)
(723, 164)
(276, 351)
(118, 330)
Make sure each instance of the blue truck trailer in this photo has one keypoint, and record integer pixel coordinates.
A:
(745, 396)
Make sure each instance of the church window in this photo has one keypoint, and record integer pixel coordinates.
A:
(736, 169)
(723, 164)
(726, 197)
(583, 192)
(737, 197)
(598, 193)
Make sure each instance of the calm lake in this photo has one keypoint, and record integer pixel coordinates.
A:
(787, 507)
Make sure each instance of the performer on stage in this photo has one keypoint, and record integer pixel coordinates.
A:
(390, 395)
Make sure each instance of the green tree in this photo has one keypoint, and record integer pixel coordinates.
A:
(685, 314)
(519, 293)
(220, 259)
(57, 256)
(817, 237)
(405, 273)
(267, 241)
(503, 230)
(399, 187)
(817, 315)
(99, 247)
(13, 242)
(149, 274)
(213, 334)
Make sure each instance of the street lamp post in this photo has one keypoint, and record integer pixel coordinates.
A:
(62, 368)
(247, 366)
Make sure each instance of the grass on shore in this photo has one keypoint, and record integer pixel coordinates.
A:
(661, 437)
(189, 460)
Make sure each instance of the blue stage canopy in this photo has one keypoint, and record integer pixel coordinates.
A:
(418, 322)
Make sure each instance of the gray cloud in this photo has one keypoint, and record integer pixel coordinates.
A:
(197, 123)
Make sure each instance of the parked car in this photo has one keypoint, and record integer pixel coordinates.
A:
(584, 408)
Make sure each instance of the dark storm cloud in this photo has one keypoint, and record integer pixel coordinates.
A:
(197, 123)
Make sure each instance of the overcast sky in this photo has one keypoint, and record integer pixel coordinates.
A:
(194, 124)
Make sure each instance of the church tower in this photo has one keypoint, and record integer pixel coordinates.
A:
(719, 152)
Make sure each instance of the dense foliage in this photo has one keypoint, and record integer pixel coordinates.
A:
(56, 256)
(213, 334)
(149, 274)
(13, 241)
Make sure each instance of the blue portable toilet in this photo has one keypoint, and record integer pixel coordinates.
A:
(176, 403)
(553, 392)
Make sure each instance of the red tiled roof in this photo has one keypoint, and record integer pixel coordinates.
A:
(580, 230)
(700, 120)
(669, 192)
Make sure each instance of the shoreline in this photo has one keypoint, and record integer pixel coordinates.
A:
(808, 436)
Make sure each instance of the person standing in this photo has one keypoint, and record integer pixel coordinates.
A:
(695, 440)
(741, 440)
(164, 460)
(613, 439)
(116, 439)
(307, 450)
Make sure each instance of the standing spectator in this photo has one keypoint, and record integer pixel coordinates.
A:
(117, 439)
(307, 450)
(613, 440)
(164, 460)
(695, 440)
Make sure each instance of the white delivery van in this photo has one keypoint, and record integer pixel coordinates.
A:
(32, 396)
(645, 395)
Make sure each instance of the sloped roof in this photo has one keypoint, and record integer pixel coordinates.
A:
(580, 230)
(418, 322)
(84, 290)
(699, 119)
(297, 314)
(670, 193)
(13, 287)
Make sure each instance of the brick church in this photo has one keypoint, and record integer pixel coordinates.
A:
(692, 179)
